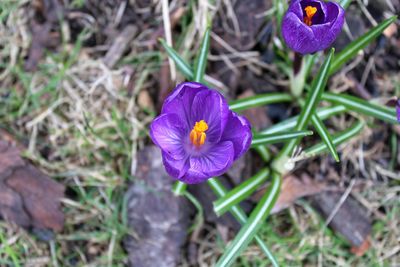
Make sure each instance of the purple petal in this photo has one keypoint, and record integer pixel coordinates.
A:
(334, 11)
(181, 99)
(306, 39)
(211, 107)
(298, 36)
(193, 176)
(175, 168)
(167, 131)
(296, 8)
(326, 34)
(238, 131)
(398, 110)
(216, 161)
(321, 14)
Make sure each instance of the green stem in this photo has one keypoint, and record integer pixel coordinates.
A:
(240, 192)
(313, 98)
(325, 136)
(288, 124)
(362, 106)
(201, 59)
(263, 139)
(239, 214)
(259, 100)
(264, 153)
(256, 220)
(298, 77)
(337, 140)
(179, 188)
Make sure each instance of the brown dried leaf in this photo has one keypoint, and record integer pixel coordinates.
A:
(292, 189)
(28, 197)
(363, 248)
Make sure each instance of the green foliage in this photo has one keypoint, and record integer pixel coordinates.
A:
(296, 128)
(290, 130)
(253, 224)
(241, 192)
(357, 45)
(201, 58)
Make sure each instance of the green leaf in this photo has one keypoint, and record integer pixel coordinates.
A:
(256, 220)
(239, 214)
(354, 47)
(345, 3)
(240, 192)
(289, 124)
(259, 100)
(201, 59)
(263, 139)
(337, 140)
(199, 219)
(181, 64)
(362, 106)
(325, 136)
(179, 188)
(313, 98)
(263, 152)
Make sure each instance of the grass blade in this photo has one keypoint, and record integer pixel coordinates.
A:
(181, 64)
(179, 188)
(289, 124)
(240, 192)
(259, 100)
(249, 230)
(325, 136)
(263, 139)
(313, 98)
(263, 152)
(354, 47)
(239, 214)
(362, 106)
(201, 59)
(337, 140)
(345, 3)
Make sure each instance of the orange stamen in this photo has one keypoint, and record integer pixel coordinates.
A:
(197, 135)
(310, 12)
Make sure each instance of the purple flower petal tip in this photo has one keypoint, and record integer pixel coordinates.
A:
(310, 26)
(398, 110)
(199, 135)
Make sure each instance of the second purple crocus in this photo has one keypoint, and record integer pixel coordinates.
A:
(398, 109)
(312, 25)
(198, 135)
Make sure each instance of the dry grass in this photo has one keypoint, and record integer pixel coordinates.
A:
(83, 124)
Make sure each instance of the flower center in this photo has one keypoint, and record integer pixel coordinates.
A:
(310, 12)
(198, 135)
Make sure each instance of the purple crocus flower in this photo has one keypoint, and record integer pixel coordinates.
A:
(198, 135)
(398, 109)
(312, 25)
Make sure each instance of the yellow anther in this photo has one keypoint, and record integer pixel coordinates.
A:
(198, 135)
(200, 126)
(310, 12)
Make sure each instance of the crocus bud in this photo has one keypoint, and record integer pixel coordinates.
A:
(310, 26)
